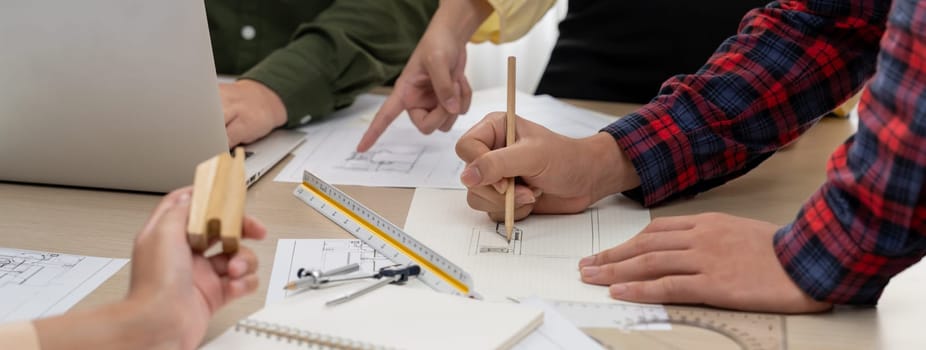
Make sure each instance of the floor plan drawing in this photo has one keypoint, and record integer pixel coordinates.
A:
(541, 259)
(573, 236)
(403, 157)
(37, 284)
(34, 268)
(396, 158)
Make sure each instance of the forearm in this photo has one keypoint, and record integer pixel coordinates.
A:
(610, 168)
(113, 326)
(866, 223)
(790, 63)
(341, 54)
(463, 17)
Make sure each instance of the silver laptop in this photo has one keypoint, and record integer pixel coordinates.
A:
(118, 94)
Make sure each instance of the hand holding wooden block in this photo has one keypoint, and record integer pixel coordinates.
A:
(217, 208)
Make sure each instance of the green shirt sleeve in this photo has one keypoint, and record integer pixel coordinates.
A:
(349, 48)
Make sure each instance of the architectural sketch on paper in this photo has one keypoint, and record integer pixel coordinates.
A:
(337, 253)
(399, 159)
(34, 268)
(541, 237)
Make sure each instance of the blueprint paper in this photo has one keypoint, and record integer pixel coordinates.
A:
(403, 157)
(542, 259)
(37, 284)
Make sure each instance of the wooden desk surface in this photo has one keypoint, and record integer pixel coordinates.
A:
(104, 223)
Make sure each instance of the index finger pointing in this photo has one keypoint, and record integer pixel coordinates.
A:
(384, 116)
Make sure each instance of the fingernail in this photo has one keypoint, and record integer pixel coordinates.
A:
(537, 192)
(590, 271)
(471, 176)
(586, 261)
(452, 104)
(618, 289)
(524, 198)
(501, 186)
(184, 198)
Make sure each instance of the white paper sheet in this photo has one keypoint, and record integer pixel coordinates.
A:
(556, 333)
(37, 284)
(403, 157)
(324, 254)
(543, 261)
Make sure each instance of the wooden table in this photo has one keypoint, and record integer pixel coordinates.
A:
(104, 223)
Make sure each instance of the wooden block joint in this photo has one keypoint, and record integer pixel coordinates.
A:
(217, 207)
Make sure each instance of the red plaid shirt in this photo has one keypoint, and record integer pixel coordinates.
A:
(790, 63)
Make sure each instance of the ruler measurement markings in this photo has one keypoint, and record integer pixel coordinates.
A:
(392, 241)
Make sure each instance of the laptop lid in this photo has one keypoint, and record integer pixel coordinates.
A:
(114, 94)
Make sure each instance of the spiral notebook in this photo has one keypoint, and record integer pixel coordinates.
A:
(398, 317)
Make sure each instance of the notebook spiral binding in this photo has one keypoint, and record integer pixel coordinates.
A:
(301, 337)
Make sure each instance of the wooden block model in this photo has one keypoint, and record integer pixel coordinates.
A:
(217, 208)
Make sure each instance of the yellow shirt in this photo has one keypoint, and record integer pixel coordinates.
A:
(511, 19)
(20, 336)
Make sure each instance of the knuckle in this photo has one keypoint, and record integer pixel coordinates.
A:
(435, 56)
(610, 273)
(649, 264)
(497, 116)
(669, 287)
(641, 245)
(657, 222)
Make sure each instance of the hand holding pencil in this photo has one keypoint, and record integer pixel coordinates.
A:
(556, 174)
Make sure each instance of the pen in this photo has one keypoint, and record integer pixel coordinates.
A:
(509, 140)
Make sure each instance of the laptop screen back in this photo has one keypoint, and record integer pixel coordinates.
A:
(107, 93)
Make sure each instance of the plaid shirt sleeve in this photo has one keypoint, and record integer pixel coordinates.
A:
(868, 220)
(790, 63)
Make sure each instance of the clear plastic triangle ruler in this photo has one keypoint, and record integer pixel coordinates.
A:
(691, 327)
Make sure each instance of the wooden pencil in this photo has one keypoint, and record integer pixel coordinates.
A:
(509, 140)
